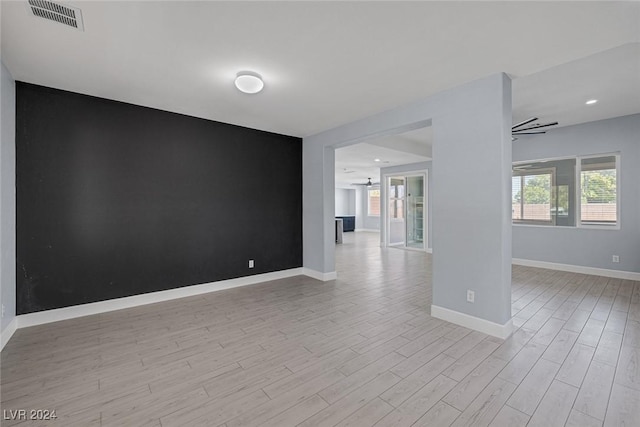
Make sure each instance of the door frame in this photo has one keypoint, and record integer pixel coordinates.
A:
(384, 209)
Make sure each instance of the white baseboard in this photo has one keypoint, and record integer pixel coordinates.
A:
(429, 250)
(8, 332)
(471, 322)
(616, 274)
(366, 230)
(314, 274)
(58, 314)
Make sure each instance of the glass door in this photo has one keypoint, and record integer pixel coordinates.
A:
(405, 216)
(396, 211)
(415, 212)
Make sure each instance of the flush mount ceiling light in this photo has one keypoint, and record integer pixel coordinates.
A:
(376, 160)
(591, 101)
(249, 82)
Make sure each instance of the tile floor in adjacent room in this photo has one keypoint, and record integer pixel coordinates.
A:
(359, 351)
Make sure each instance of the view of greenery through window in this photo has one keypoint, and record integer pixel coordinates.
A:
(598, 195)
(532, 197)
(538, 199)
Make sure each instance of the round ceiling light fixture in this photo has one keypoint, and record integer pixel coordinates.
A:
(591, 101)
(249, 82)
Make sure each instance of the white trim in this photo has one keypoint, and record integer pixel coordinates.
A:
(429, 250)
(386, 221)
(616, 274)
(8, 332)
(595, 226)
(472, 322)
(314, 274)
(366, 230)
(548, 159)
(58, 314)
(570, 227)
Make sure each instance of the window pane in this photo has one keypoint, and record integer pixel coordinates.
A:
(532, 194)
(374, 202)
(396, 208)
(562, 200)
(516, 192)
(536, 193)
(598, 194)
(396, 188)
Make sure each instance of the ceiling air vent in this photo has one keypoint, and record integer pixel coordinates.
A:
(57, 12)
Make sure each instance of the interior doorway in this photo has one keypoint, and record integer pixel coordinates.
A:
(405, 216)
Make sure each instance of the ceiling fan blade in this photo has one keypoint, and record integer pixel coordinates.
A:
(517, 125)
(528, 133)
(536, 127)
(368, 183)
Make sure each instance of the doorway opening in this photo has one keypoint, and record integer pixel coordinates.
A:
(406, 213)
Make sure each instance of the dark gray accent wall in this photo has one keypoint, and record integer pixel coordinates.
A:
(115, 200)
(588, 247)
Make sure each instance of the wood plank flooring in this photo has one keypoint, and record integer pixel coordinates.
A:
(358, 351)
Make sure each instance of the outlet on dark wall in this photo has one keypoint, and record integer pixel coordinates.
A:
(115, 200)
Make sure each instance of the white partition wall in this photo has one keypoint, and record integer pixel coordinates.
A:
(7, 205)
(472, 214)
(472, 133)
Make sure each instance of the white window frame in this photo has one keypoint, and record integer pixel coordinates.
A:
(369, 189)
(578, 195)
(541, 171)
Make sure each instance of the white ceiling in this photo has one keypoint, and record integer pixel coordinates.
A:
(355, 164)
(559, 93)
(556, 94)
(329, 63)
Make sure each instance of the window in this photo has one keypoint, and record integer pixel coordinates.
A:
(396, 198)
(598, 191)
(532, 196)
(373, 202)
(570, 192)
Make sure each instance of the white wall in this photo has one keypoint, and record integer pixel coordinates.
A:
(474, 119)
(318, 208)
(583, 246)
(359, 195)
(7, 204)
(345, 202)
(368, 222)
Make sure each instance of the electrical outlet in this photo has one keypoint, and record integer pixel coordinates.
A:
(615, 258)
(251, 263)
(471, 296)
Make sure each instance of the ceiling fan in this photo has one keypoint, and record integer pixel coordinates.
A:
(518, 128)
(368, 183)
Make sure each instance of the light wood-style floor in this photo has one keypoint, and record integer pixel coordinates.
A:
(359, 351)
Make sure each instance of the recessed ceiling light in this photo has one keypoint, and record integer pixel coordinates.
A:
(591, 101)
(249, 82)
(376, 160)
